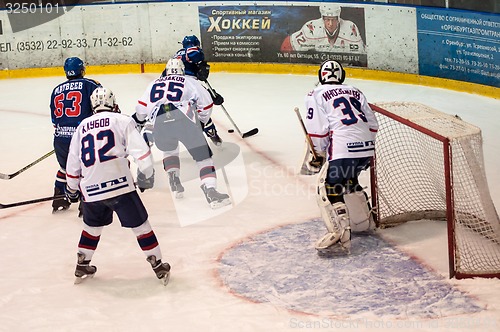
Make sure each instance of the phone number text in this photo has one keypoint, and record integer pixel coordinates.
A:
(54, 44)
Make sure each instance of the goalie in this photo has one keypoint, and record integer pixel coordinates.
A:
(342, 127)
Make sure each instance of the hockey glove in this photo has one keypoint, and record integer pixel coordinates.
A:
(203, 71)
(145, 183)
(72, 195)
(147, 134)
(139, 123)
(217, 98)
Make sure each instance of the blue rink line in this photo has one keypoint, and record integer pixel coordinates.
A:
(281, 267)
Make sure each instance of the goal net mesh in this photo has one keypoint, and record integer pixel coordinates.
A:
(411, 169)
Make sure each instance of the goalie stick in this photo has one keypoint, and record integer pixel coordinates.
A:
(243, 135)
(31, 201)
(308, 138)
(10, 176)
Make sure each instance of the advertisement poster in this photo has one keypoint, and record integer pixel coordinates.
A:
(284, 34)
(459, 45)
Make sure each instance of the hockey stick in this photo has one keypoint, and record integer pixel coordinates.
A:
(243, 135)
(10, 176)
(308, 138)
(31, 201)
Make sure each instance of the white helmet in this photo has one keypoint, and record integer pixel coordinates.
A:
(329, 9)
(331, 72)
(103, 99)
(174, 67)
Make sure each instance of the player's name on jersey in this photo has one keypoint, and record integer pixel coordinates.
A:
(173, 78)
(99, 123)
(327, 95)
(69, 86)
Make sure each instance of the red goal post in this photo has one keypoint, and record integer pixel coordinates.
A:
(429, 165)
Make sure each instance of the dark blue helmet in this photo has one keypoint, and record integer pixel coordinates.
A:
(74, 67)
(190, 41)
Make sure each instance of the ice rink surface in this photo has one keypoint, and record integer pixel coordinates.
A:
(248, 267)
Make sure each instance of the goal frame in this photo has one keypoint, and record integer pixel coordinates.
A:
(448, 179)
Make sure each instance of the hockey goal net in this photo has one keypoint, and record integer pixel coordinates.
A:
(429, 165)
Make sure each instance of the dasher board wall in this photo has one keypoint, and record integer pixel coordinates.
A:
(446, 43)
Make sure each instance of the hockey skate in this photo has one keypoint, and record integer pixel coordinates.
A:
(162, 270)
(175, 185)
(215, 198)
(212, 134)
(216, 140)
(83, 269)
(60, 204)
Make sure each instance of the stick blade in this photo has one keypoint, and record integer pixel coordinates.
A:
(250, 133)
(4, 176)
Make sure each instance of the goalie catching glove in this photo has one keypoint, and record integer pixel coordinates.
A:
(72, 195)
(145, 183)
(314, 164)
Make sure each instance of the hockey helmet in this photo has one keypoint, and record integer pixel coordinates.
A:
(331, 72)
(190, 41)
(174, 67)
(329, 9)
(103, 99)
(74, 67)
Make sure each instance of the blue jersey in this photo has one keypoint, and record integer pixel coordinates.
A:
(69, 105)
(191, 57)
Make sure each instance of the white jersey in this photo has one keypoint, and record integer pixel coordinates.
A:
(185, 92)
(313, 36)
(340, 122)
(97, 160)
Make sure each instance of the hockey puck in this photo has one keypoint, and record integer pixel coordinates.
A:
(230, 131)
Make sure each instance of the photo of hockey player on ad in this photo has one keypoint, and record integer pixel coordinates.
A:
(278, 34)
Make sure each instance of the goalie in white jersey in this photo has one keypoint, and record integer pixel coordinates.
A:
(342, 127)
(330, 33)
(176, 104)
(98, 168)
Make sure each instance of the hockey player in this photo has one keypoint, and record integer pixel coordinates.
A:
(175, 104)
(98, 170)
(69, 105)
(195, 65)
(342, 127)
(330, 33)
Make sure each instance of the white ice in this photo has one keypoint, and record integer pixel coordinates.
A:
(38, 249)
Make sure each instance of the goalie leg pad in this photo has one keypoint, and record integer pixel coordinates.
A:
(335, 216)
(336, 219)
(323, 201)
(360, 216)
